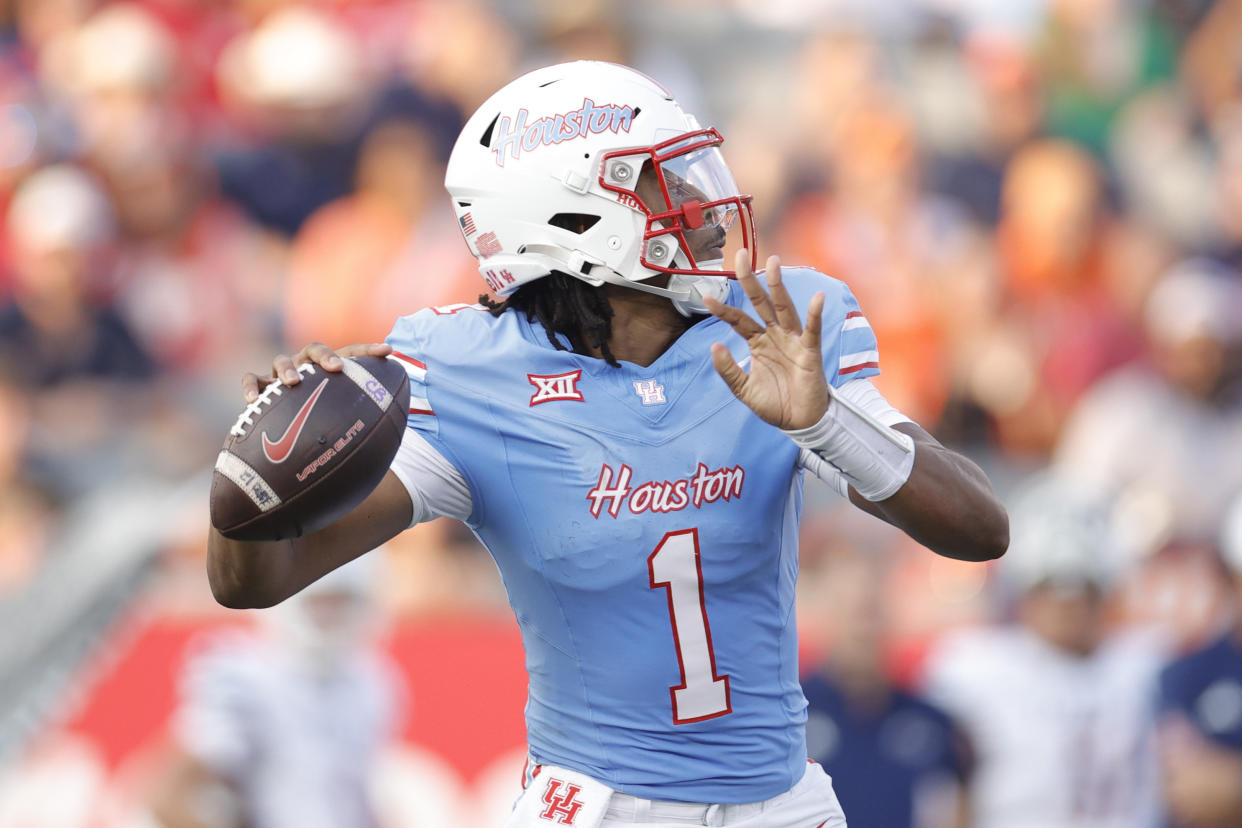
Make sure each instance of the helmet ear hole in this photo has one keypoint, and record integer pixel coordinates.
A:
(574, 222)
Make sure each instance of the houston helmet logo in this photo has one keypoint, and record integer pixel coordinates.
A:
(555, 387)
(513, 135)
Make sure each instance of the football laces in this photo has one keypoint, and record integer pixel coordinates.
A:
(274, 389)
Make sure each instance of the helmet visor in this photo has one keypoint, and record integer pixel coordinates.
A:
(696, 218)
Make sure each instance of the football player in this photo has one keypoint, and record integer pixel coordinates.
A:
(1201, 707)
(1059, 707)
(643, 513)
(285, 726)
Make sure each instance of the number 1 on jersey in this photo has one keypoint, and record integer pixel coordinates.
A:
(675, 566)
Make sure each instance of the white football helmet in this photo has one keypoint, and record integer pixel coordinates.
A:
(1059, 535)
(592, 169)
(328, 621)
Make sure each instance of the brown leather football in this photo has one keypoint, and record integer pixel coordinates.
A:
(300, 457)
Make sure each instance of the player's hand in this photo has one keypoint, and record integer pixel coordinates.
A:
(286, 367)
(785, 385)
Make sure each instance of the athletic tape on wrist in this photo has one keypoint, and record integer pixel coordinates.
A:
(875, 459)
(825, 471)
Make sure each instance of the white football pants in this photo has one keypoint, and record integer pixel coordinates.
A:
(556, 797)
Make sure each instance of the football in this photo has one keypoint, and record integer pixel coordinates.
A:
(300, 457)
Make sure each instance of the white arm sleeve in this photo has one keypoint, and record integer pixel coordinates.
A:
(436, 487)
(867, 397)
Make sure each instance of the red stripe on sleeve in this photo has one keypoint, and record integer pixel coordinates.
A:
(416, 363)
(858, 367)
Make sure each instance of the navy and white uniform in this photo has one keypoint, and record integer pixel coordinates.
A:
(895, 763)
(1205, 687)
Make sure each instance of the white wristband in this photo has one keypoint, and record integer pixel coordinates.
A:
(875, 459)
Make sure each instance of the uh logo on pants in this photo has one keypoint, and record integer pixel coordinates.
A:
(562, 808)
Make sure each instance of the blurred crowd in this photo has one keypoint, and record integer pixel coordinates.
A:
(1037, 202)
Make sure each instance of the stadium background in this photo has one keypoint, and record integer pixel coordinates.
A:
(1023, 195)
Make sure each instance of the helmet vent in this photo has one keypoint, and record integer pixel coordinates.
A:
(549, 83)
(574, 222)
(486, 138)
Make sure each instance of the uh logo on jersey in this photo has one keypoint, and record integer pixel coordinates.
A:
(550, 387)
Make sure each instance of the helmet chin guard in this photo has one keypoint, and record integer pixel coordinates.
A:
(592, 169)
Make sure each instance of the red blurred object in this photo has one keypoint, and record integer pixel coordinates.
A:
(451, 663)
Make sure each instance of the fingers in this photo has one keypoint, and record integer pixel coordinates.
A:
(754, 291)
(375, 349)
(782, 302)
(330, 359)
(286, 367)
(741, 263)
(775, 306)
(251, 383)
(729, 371)
(814, 323)
(319, 354)
(739, 320)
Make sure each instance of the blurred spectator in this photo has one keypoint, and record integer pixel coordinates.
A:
(1211, 62)
(1227, 130)
(461, 51)
(57, 326)
(26, 512)
(586, 30)
(1060, 710)
(190, 280)
(40, 21)
(1094, 56)
(397, 229)
(1006, 95)
(1060, 328)
(1201, 705)
(875, 230)
(1166, 170)
(1160, 439)
(197, 283)
(896, 761)
(285, 728)
(299, 83)
(118, 73)
(836, 71)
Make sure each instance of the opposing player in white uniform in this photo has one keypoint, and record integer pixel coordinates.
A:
(643, 512)
(1060, 711)
(284, 726)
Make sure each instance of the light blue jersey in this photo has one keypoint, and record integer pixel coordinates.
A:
(645, 523)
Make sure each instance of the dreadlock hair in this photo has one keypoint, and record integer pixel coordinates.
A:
(567, 306)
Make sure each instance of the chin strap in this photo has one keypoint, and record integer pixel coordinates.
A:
(685, 292)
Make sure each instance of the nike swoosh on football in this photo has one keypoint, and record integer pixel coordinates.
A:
(279, 450)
